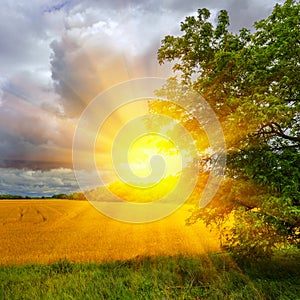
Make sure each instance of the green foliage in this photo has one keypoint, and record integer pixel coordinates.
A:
(252, 82)
(208, 277)
(60, 196)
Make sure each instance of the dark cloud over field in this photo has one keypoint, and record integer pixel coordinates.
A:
(28, 182)
(55, 56)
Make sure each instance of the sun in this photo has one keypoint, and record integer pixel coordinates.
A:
(143, 151)
(145, 168)
(140, 158)
(153, 178)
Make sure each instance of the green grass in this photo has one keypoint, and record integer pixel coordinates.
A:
(208, 277)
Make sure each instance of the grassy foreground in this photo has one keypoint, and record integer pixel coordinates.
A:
(214, 276)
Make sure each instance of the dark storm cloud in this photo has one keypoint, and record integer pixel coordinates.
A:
(32, 183)
(28, 182)
(245, 13)
(21, 164)
(30, 134)
(27, 98)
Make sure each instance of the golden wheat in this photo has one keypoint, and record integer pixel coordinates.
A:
(42, 231)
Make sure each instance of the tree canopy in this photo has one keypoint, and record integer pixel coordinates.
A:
(251, 80)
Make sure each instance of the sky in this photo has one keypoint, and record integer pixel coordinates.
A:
(56, 56)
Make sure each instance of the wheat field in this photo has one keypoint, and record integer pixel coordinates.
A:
(44, 231)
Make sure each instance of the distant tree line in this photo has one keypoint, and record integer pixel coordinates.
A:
(73, 196)
(9, 196)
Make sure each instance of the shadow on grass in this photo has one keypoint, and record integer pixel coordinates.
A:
(212, 276)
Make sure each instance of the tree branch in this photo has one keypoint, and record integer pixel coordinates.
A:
(275, 129)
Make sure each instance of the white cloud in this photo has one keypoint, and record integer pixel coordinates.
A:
(99, 48)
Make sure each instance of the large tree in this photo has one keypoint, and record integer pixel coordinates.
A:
(251, 80)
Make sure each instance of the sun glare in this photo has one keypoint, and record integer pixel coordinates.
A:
(149, 146)
(145, 157)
